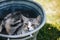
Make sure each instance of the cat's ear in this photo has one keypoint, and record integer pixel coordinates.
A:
(38, 17)
(24, 18)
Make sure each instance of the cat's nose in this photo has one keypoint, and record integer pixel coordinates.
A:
(30, 28)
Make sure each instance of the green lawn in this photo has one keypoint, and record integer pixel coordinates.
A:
(48, 32)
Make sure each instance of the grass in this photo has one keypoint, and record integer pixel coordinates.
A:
(52, 11)
(48, 32)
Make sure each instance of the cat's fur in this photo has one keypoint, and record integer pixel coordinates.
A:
(30, 24)
(14, 21)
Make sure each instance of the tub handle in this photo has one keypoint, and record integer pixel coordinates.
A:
(30, 36)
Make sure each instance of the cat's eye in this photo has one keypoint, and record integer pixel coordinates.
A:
(26, 24)
(32, 25)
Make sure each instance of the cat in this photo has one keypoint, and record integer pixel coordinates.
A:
(29, 24)
(17, 23)
(12, 22)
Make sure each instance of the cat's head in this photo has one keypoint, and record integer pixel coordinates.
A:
(31, 23)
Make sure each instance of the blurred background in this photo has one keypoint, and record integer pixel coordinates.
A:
(51, 30)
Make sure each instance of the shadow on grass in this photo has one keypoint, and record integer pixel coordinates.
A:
(48, 32)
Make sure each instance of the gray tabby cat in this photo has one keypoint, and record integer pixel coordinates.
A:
(14, 21)
(29, 24)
